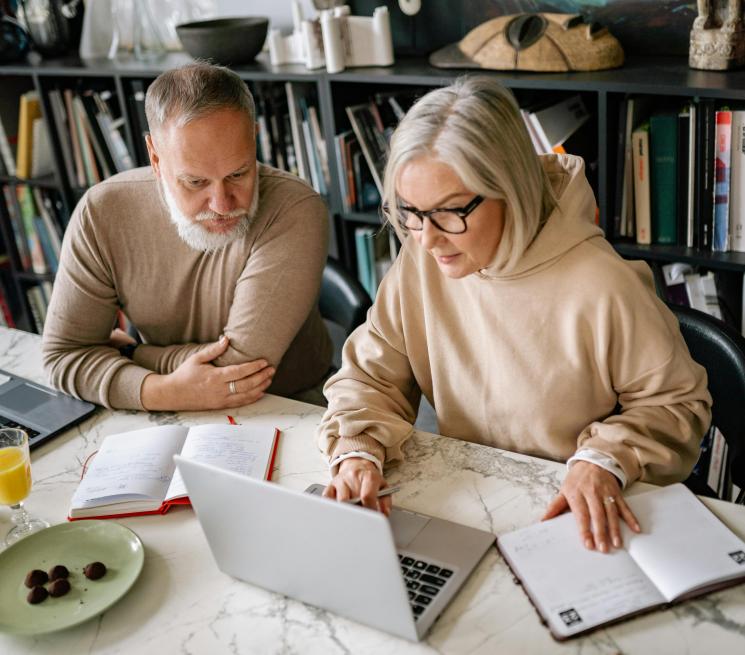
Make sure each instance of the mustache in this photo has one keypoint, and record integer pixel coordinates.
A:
(214, 216)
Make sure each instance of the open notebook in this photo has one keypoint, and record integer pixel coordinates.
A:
(683, 551)
(133, 472)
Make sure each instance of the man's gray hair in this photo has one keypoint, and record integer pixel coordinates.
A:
(195, 90)
(475, 126)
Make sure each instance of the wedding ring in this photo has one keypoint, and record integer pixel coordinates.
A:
(609, 500)
(231, 387)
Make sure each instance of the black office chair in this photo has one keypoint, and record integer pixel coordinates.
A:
(721, 351)
(343, 302)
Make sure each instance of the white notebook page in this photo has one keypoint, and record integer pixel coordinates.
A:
(131, 465)
(244, 449)
(575, 588)
(684, 545)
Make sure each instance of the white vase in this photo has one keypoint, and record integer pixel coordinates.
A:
(95, 39)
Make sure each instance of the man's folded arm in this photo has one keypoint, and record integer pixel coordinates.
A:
(76, 354)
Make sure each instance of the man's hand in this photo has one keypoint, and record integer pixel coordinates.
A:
(594, 497)
(359, 477)
(119, 338)
(197, 384)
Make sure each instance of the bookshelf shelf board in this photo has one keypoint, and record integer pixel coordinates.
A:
(47, 182)
(730, 261)
(369, 218)
(28, 276)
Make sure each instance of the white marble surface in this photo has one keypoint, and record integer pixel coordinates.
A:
(183, 604)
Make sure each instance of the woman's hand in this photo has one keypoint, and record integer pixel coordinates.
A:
(594, 497)
(359, 477)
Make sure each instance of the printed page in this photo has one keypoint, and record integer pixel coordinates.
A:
(244, 449)
(131, 465)
(575, 589)
(684, 546)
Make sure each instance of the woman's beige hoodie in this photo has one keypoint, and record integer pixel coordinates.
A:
(571, 348)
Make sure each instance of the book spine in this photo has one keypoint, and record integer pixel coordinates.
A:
(682, 177)
(705, 154)
(28, 212)
(29, 110)
(6, 152)
(16, 223)
(663, 132)
(737, 183)
(640, 144)
(690, 231)
(720, 241)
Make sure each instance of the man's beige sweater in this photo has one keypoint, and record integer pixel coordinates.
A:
(533, 359)
(121, 250)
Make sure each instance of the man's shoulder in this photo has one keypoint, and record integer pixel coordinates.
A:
(137, 180)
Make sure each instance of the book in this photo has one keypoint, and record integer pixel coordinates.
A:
(296, 129)
(702, 293)
(62, 130)
(554, 124)
(28, 214)
(684, 175)
(663, 138)
(683, 551)
(371, 139)
(9, 131)
(737, 183)
(77, 152)
(705, 136)
(16, 224)
(642, 187)
(41, 150)
(722, 159)
(133, 473)
(29, 110)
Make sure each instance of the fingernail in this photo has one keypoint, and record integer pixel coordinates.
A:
(603, 547)
(223, 338)
(616, 542)
(588, 544)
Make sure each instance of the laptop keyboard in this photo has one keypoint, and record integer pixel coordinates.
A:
(7, 423)
(424, 581)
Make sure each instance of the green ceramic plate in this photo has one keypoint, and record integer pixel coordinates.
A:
(74, 545)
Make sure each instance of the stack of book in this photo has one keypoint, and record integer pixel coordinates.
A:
(24, 140)
(92, 145)
(290, 135)
(681, 175)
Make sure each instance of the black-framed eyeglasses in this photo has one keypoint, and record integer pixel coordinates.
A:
(449, 219)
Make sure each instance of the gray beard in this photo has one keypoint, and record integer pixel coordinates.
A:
(198, 237)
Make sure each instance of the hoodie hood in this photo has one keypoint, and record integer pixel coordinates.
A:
(571, 223)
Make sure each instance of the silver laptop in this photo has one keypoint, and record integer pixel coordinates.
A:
(396, 575)
(40, 411)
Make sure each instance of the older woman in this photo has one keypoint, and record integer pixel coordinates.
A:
(512, 314)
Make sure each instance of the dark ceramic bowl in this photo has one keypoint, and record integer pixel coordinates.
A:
(227, 41)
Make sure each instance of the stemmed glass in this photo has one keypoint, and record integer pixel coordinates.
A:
(15, 483)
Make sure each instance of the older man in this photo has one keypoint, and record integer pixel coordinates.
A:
(215, 258)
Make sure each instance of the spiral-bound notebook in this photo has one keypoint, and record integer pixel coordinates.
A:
(683, 551)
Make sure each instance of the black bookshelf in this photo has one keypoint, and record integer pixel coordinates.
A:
(665, 78)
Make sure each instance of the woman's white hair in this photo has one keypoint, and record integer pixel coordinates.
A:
(475, 127)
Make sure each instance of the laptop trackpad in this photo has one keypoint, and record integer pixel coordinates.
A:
(406, 526)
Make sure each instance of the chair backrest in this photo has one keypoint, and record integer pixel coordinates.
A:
(343, 299)
(721, 351)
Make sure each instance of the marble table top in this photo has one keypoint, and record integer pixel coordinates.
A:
(182, 603)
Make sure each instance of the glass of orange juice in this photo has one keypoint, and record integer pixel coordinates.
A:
(15, 483)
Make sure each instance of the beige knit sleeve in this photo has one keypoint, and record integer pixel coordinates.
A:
(662, 393)
(372, 399)
(80, 317)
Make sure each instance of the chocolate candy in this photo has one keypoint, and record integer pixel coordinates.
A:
(59, 571)
(36, 578)
(59, 587)
(95, 570)
(37, 594)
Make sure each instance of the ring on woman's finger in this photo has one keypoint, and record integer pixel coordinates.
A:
(231, 387)
(609, 500)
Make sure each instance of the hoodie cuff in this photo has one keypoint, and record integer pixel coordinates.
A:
(358, 443)
(602, 460)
